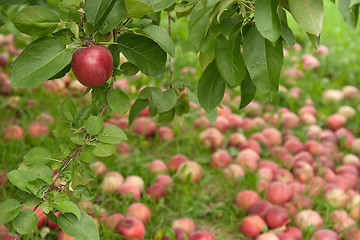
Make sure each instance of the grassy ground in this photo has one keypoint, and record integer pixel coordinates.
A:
(210, 202)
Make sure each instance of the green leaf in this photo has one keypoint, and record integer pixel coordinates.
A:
(68, 110)
(37, 155)
(349, 9)
(62, 129)
(212, 116)
(41, 170)
(129, 69)
(9, 209)
(287, 35)
(248, 90)
(104, 150)
(96, 10)
(211, 88)
(81, 116)
(158, 5)
(308, 14)
(84, 170)
(78, 139)
(64, 35)
(87, 155)
(28, 182)
(353, 3)
(164, 101)
(136, 109)
(67, 206)
(93, 125)
(228, 59)
(36, 20)
(315, 40)
(159, 35)
(98, 95)
(267, 19)
(62, 73)
(82, 193)
(118, 101)
(263, 61)
(83, 229)
(183, 9)
(198, 25)
(166, 117)
(145, 94)
(47, 56)
(74, 28)
(136, 9)
(111, 134)
(143, 52)
(227, 25)
(114, 18)
(25, 222)
(115, 52)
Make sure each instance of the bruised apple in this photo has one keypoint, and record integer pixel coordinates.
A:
(92, 66)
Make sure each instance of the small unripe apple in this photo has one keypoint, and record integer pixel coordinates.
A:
(92, 66)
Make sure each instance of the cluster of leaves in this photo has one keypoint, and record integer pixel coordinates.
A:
(239, 43)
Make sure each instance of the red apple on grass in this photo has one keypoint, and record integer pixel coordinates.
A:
(92, 66)
(157, 166)
(279, 193)
(252, 226)
(112, 220)
(306, 218)
(131, 228)
(220, 159)
(246, 199)
(139, 211)
(156, 191)
(191, 170)
(277, 217)
(176, 160)
(201, 235)
(129, 188)
(267, 236)
(325, 234)
(14, 132)
(112, 182)
(135, 180)
(185, 224)
(234, 172)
